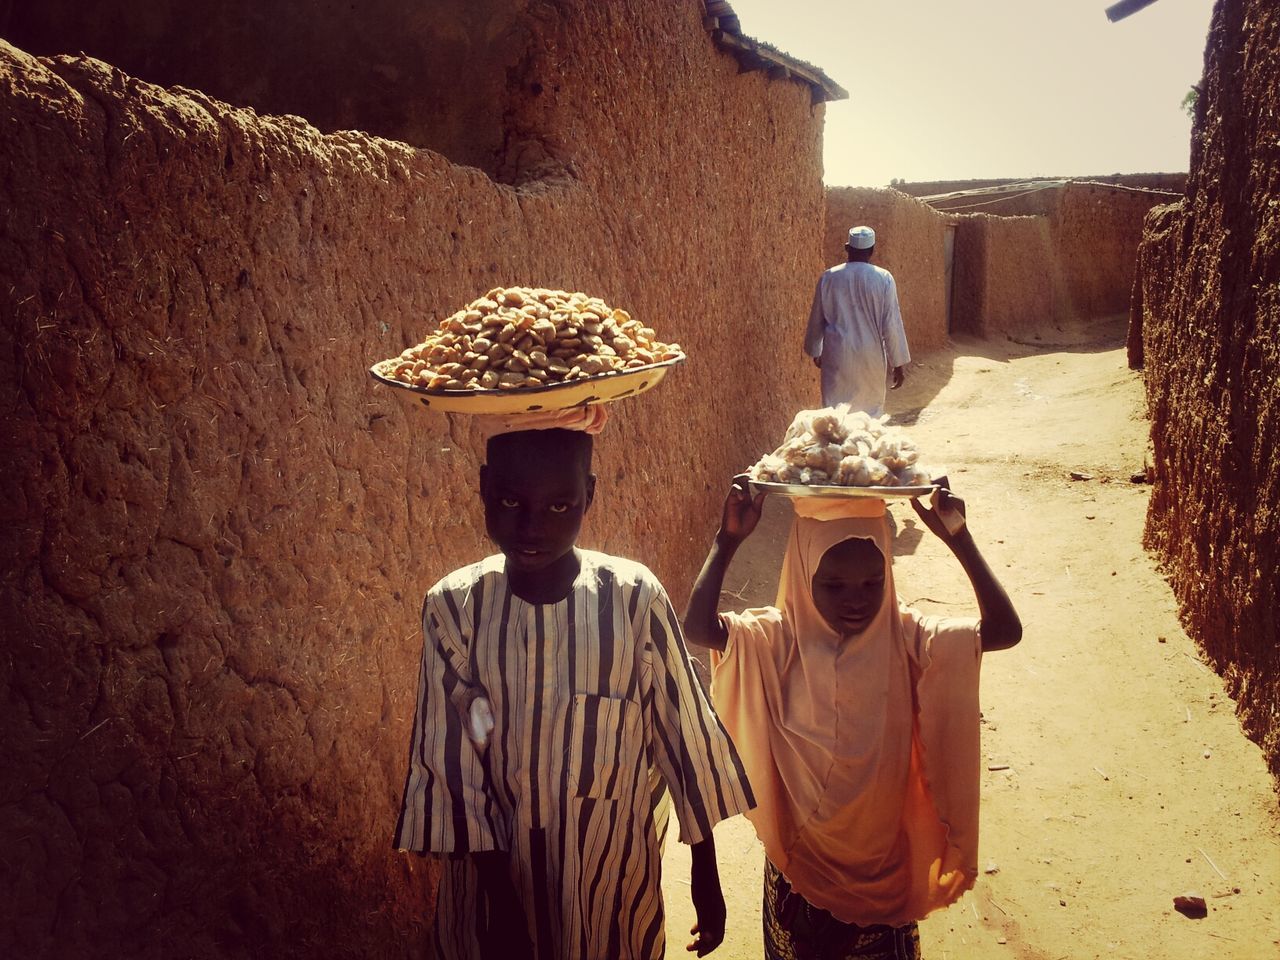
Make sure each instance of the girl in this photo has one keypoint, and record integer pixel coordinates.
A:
(857, 722)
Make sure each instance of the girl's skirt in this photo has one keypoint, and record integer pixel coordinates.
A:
(795, 929)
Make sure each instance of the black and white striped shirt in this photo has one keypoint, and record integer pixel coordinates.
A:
(594, 698)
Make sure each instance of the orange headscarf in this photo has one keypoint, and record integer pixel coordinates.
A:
(826, 727)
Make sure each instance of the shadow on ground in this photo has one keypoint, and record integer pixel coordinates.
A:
(930, 372)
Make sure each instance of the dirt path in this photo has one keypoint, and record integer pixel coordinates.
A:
(1122, 777)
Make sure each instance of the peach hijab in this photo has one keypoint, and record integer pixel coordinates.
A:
(827, 730)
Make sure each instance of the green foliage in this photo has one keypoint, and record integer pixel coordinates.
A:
(1190, 100)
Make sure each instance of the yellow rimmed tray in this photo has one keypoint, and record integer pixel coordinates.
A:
(827, 490)
(601, 388)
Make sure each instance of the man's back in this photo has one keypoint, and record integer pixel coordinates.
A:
(860, 286)
(856, 327)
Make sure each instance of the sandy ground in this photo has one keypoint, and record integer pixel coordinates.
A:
(1121, 777)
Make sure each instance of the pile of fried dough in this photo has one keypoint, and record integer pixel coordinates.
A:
(526, 337)
(835, 446)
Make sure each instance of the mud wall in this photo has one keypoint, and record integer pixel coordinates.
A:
(441, 75)
(1208, 312)
(219, 531)
(910, 244)
(1006, 277)
(1094, 230)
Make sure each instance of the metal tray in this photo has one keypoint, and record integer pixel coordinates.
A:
(814, 490)
(600, 388)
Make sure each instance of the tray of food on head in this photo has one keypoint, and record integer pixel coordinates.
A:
(523, 349)
(836, 452)
(826, 490)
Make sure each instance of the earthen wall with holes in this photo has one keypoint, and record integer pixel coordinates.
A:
(218, 530)
(1206, 324)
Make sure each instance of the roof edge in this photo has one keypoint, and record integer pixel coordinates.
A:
(726, 30)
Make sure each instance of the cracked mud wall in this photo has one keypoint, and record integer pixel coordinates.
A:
(220, 531)
(1207, 311)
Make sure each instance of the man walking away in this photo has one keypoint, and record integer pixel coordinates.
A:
(855, 332)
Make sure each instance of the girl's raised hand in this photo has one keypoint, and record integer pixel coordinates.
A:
(741, 511)
(945, 515)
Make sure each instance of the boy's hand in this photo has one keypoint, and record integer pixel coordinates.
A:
(741, 511)
(480, 722)
(946, 518)
(708, 905)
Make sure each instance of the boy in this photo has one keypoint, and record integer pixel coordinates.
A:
(578, 658)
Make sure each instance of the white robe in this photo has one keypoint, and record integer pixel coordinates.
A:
(856, 327)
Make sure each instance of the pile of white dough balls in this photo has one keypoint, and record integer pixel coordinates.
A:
(839, 447)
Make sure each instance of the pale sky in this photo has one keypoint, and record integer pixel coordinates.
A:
(951, 90)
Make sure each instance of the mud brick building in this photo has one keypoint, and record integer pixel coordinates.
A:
(1004, 258)
(217, 530)
(1206, 321)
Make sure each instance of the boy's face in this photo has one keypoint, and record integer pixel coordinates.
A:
(534, 504)
(848, 586)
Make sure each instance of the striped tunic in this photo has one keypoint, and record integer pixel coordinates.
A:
(595, 704)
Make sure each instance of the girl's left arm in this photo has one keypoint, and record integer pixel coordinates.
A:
(702, 624)
(1001, 626)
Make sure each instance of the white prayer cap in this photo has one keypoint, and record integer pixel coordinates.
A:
(862, 238)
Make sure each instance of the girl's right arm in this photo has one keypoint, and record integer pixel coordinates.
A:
(702, 624)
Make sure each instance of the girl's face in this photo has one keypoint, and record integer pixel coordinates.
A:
(848, 586)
